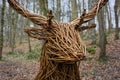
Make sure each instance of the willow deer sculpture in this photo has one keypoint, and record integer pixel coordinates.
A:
(63, 47)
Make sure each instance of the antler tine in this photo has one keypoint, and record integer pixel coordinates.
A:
(50, 17)
(37, 19)
(90, 15)
(82, 28)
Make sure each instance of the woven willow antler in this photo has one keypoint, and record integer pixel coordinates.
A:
(37, 19)
(91, 14)
(63, 47)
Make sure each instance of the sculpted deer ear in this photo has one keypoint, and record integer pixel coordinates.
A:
(38, 33)
(85, 17)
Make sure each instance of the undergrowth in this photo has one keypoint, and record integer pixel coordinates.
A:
(91, 50)
(103, 59)
(87, 59)
(33, 55)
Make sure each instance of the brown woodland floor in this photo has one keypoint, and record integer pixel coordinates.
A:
(109, 70)
(91, 69)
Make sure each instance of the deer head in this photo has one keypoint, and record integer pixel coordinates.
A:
(62, 39)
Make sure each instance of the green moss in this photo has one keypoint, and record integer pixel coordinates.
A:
(91, 50)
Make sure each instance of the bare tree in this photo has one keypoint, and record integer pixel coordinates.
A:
(27, 23)
(43, 5)
(116, 8)
(13, 27)
(58, 9)
(109, 17)
(1, 28)
(102, 37)
(92, 32)
(74, 9)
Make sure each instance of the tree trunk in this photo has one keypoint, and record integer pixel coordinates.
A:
(74, 9)
(13, 30)
(108, 11)
(79, 6)
(58, 9)
(91, 32)
(102, 40)
(69, 11)
(116, 19)
(1, 29)
(29, 44)
(43, 7)
(83, 4)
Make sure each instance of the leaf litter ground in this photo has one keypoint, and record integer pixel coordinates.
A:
(90, 68)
